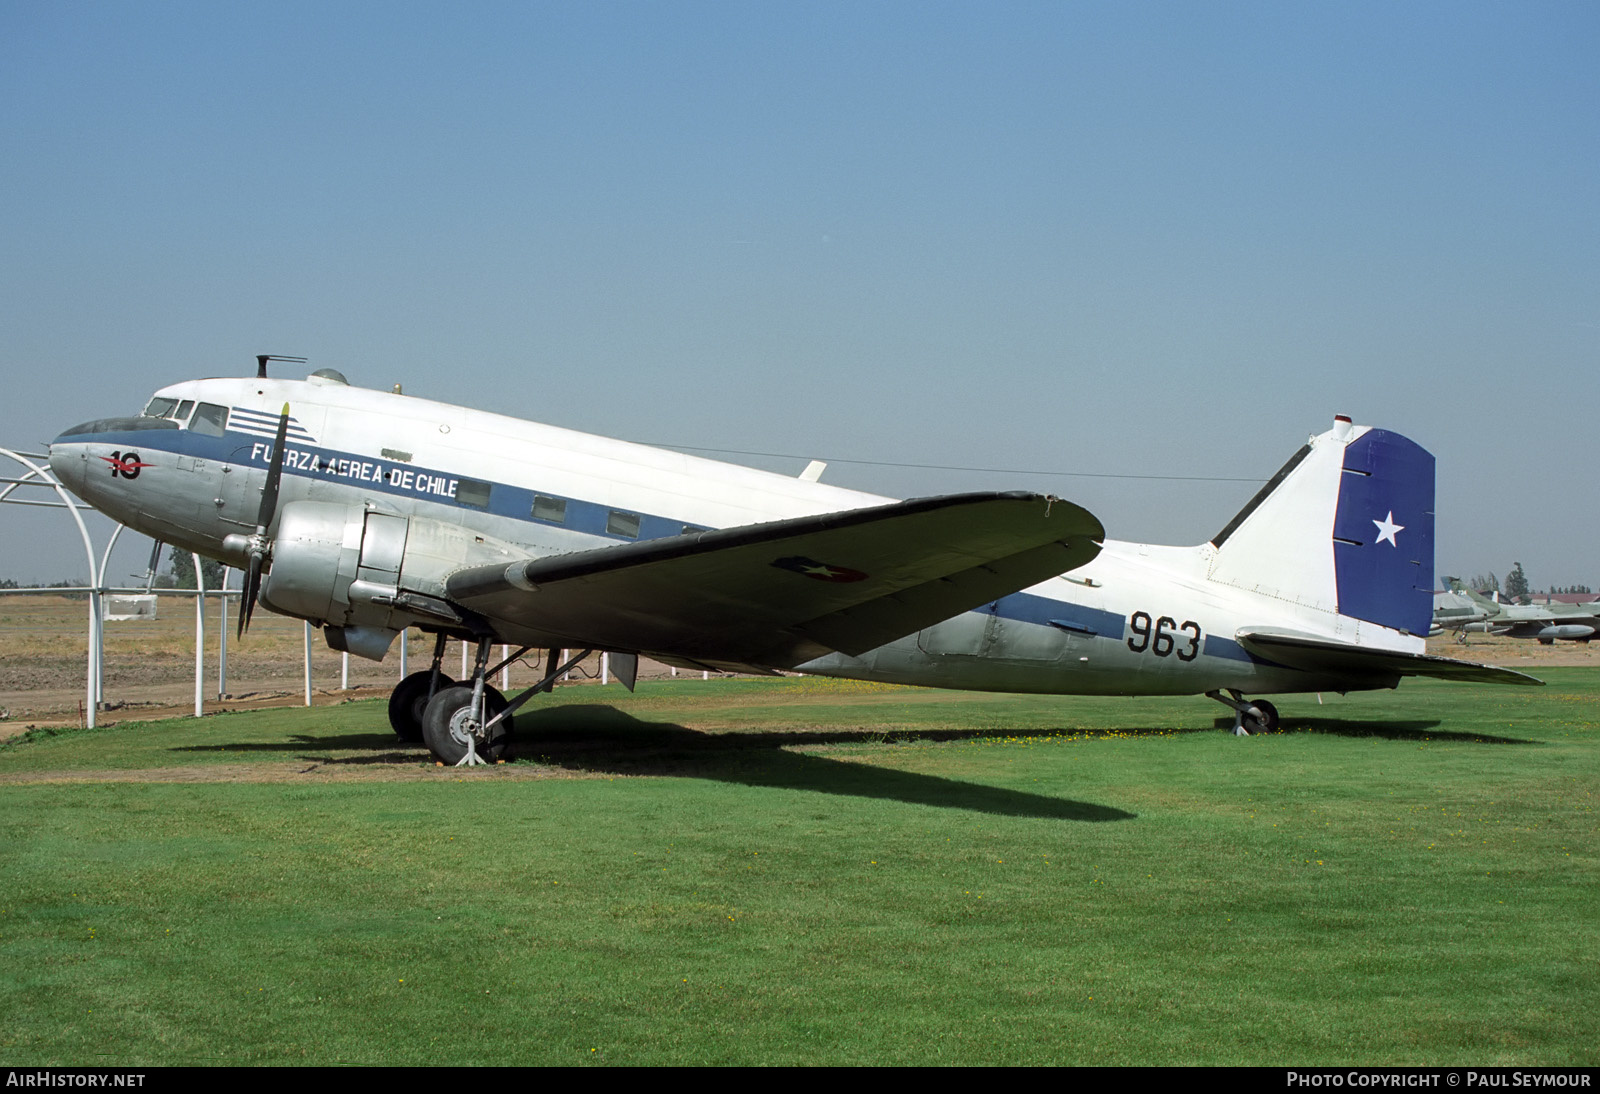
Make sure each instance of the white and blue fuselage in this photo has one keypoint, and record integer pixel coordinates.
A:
(1338, 548)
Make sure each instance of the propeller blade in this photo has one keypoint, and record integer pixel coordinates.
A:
(260, 548)
(252, 586)
(269, 493)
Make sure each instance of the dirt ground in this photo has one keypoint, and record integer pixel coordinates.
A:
(149, 664)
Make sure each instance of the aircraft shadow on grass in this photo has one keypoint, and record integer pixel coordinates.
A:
(603, 740)
(1415, 729)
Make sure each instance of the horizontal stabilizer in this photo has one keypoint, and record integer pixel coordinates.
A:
(1346, 659)
(784, 592)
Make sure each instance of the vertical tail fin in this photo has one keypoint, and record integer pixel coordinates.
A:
(1345, 527)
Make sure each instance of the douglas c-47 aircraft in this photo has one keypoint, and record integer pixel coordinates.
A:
(367, 512)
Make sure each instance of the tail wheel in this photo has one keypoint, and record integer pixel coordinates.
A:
(1268, 720)
(409, 699)
(450, 726)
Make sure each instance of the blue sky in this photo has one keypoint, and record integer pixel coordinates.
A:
(1144, 239)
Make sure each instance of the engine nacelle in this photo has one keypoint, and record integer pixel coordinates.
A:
(1564, 630)
(366, 575)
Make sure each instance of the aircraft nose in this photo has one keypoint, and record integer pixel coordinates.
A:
(69, 452)
(67, 457)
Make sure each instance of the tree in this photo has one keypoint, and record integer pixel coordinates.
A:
(182, 569)
(1486, 584)
(1517, 584)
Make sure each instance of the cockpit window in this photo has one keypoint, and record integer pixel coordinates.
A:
(183, 409)
(160, 407)
(210, 419)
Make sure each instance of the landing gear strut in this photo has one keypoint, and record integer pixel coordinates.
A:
(464, 724)
(1249, 718)
(459, 723)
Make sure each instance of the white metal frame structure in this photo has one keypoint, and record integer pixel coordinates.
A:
(38, 476)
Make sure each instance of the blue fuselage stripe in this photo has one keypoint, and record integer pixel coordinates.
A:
(401, 480)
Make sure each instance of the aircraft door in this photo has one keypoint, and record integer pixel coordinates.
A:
(970, 634)
(984, 649)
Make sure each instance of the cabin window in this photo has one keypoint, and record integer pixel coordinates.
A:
(160, 407)
(210, 419)
(553, 510)
(472, 492)
(623, 524)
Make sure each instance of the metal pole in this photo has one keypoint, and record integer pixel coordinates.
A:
(605, 668)
(97, 648)
(308, 662)
(98, 633)
(505, 669)
(464, 675)
(199, 636)
(403, 654)
(222, 636)
(344, 671)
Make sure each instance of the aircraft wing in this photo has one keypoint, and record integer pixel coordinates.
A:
(780, 593)
(1347, 659)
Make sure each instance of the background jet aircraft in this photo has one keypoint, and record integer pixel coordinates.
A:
(1546, 622)
(1455, 611)
(368, 512)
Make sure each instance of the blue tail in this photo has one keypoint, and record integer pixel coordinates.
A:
(1383, 532)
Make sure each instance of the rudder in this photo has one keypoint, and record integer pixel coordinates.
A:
(1383, 532)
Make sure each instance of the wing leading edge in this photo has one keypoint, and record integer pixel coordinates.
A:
(1345, 659)
(780, 593)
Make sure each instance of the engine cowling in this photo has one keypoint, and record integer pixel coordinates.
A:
(365, 575)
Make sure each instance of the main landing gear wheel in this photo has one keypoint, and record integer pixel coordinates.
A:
(407, 701)
(449, 726)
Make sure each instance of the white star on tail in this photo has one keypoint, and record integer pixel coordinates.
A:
(1387, 528)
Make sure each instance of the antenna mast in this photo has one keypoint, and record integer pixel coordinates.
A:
(263, 358)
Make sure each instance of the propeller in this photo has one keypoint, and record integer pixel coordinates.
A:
(260, 546)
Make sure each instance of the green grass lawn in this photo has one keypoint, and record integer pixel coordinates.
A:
(807, 871)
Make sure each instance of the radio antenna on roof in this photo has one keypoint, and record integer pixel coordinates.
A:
(263, 358)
